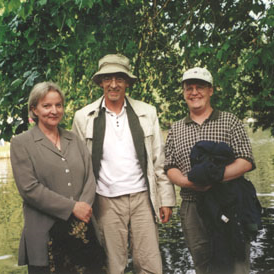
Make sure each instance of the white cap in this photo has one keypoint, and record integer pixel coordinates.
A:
(198, 73)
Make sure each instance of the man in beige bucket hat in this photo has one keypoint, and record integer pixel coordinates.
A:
(203, 123)
(133, 193)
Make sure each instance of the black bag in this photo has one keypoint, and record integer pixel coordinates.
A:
(74, 248)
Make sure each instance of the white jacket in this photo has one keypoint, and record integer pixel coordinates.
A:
(160, 188)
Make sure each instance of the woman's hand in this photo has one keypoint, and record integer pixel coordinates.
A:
(82, 211)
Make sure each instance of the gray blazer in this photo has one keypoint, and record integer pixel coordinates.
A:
(50, 182)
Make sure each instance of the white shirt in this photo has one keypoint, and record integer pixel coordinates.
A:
(120, 171)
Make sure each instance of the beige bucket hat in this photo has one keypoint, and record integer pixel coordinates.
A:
(114, 63)
(198, 73)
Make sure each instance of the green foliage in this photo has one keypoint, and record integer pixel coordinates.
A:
(62, 41)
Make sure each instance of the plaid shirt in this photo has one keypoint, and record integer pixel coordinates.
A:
(219, 127)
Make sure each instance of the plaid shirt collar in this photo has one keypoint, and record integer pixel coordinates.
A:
(213, 116)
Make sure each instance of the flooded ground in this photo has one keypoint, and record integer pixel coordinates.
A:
(176, 258)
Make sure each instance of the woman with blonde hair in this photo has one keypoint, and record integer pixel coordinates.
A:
(53, 173)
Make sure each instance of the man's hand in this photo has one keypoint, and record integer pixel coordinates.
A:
(165, 214)
(82, 211)
(194, 187)
(177, 178)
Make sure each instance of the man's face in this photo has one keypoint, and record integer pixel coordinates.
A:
(197, 94)
(114, 86)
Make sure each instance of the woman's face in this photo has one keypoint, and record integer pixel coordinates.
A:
(49, 110)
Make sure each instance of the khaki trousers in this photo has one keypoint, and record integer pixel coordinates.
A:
(128, 217)
(198, 242)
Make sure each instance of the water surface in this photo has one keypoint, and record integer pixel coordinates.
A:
(176, 258)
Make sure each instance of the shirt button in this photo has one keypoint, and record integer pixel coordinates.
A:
(67, 170)
(63, 159)
(69, 184)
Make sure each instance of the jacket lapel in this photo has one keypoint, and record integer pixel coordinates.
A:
(65, 139)
(40, 137)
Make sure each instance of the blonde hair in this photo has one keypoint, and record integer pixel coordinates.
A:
(39, 91)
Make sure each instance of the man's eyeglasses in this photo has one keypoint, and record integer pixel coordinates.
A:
(199, 88)
(109, 79)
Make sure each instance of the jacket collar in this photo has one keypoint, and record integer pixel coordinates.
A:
(39, 136)
(134, 104)
(97, 106)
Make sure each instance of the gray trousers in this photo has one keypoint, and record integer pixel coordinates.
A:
(198, 242)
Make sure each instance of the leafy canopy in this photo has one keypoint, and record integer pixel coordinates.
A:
(62, 41)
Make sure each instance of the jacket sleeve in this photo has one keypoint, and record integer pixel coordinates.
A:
(165, 188)
(89, 188)
(34, 193)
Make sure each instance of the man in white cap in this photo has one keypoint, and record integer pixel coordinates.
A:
(133, 193)
(203, 123)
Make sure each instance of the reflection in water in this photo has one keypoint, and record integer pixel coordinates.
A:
(11, 221)
(262, 249)
(5, 171)
(176, 258)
